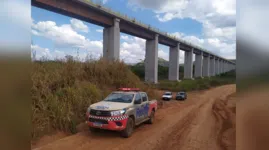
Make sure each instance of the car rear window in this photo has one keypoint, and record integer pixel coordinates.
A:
(167, 93)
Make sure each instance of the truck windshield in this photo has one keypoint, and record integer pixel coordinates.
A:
(120, 97)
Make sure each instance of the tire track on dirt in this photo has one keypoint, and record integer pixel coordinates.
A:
(201, 130)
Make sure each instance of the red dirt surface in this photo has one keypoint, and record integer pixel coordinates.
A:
(205, 121)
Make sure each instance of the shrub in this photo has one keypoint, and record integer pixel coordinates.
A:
(198, 84)
(62, 91)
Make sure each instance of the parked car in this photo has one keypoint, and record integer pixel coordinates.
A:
(167, 96)
(121, 111)
(181, 96)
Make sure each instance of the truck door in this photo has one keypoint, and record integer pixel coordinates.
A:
(138, 108)
(145, 104)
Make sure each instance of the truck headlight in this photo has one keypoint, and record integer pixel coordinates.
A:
(118, 112)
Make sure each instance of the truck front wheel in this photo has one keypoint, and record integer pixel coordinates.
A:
(129, 128)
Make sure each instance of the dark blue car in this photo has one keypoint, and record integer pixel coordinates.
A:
(181, 96)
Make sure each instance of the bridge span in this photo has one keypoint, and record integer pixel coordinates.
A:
(206, 63)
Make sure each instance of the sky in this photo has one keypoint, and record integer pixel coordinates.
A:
(208, 23)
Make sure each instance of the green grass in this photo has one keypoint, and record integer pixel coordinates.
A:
(198, 84)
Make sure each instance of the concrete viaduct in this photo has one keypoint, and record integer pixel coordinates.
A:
(206, 63)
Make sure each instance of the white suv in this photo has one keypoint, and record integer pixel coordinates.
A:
(167, 96)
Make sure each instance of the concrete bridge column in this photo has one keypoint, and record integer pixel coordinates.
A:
(222, 67)
(151, 60)
(206, 66)
(217, 67)
(111, 42)
(188, 64)
(198, 65)
(212, 66)
(226, 66)
(174, 63)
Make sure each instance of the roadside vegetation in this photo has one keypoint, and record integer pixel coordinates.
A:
(198, 84)
(63, 90)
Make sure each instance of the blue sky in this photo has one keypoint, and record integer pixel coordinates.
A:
(55, 35)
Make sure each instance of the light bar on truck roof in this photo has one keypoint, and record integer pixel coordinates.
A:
(129, 89)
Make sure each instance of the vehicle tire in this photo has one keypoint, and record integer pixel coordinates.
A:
(93, 129)
(127, 132)
(151, 118)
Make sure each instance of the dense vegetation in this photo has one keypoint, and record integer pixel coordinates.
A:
(139, 70)
(198, 84)
(62, 91)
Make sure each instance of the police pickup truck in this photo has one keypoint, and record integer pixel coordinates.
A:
(121, 111)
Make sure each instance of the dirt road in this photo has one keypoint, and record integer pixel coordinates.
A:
(205, 121)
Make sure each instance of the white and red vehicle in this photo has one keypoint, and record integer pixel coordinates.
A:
(121, 111)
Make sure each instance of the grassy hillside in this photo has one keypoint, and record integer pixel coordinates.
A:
(62, 91)
(198, 84)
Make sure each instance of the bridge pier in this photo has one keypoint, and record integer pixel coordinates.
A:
(151, 60)
(206, 66)
(111, 42)
(212, 66)
(221, 67)
(198, 65)
(217, 66)
(188, 64)
(174, 63)
(225, 67)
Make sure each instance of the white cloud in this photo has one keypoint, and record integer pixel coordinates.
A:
(39, 52)
(99, 30)
(105, 1)
(132, 50)
(59, 54)
(218, 18)
(79, 25)
(125, 37)
(213, 43)
(163, 54)
(65, 37)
